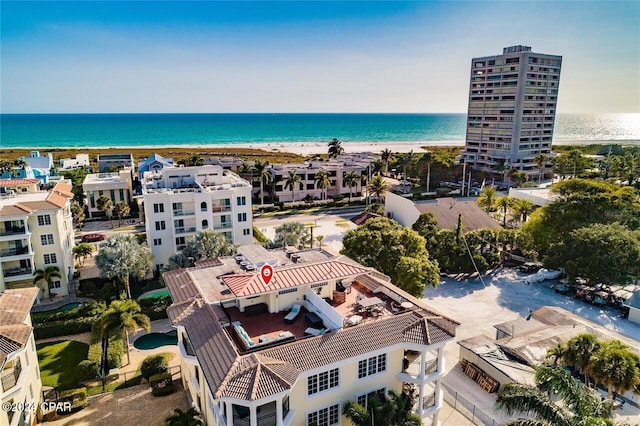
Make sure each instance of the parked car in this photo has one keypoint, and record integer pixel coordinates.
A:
(90, 238)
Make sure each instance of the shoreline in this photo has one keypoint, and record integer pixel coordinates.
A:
(311, 148)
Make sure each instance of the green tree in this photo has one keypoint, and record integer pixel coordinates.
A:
(377, 187)
(77, 215)
(47, 275)
(519, 177)
(121, 209)
(391, 410)
(386, 155)
(205, 244)
(335, 148)
(556, 353)
(83, 250)
(323, 182)
(122, 257)
(487, 198)
(541, 161)
(123, 317)
(290, 234)
(504, 204)
(598, 253)
(522, 209)
(264, 175)
(426, 225)
(396, 251)
(77, 177)
(428, 159)
(293, 179)
(615, 366)
(191, 417)
(407, 163)
(351, 179)
(104, 204)
(557, 399)
(575, 157)
(578, 352)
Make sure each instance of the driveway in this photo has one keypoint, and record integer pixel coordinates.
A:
(503, 297)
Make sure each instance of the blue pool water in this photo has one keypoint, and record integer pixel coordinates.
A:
(155, 340)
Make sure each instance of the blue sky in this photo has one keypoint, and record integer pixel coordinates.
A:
(303, 57)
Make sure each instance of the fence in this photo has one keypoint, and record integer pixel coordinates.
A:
(468, 409)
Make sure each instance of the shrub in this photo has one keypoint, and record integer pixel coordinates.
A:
(62, 328)
(155, 308)
(77, 398)
(161, 384)
(88, 370)
(258, 235)
(114, 351)
(154, 365)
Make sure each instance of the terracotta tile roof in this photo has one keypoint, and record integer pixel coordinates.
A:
(18, 209)
(256, 376)
(249, 284)
(18, 182)
(208, 262)
(60, 194)
(181, 285)
(40, 205)
(15, 306)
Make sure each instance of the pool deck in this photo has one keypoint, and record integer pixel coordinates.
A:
(45, 306)
(152, 292)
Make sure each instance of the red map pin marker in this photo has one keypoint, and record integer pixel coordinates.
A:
(266, 272)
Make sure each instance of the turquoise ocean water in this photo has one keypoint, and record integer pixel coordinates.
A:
(131, 130)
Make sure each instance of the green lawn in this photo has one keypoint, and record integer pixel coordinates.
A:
(58, 362)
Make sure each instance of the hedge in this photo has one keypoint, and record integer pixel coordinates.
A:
(77, 398)
(161, 384)
(62, 328)
(258, 235)
(88, 370)
(155, 308)
(114, 352)
(154, 365)
(93, 309)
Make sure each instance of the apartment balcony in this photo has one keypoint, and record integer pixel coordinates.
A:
(220, 209)
(185, 230)
(10, 377)
(226, 225)
(183, 213)
(15, 253)
(13, 232)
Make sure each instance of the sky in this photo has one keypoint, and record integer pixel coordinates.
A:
(78, 57)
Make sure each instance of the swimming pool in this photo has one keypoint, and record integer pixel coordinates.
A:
(69, 306)
(155, 340)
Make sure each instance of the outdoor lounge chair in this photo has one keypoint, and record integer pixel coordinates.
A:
(295, 311)
(315, 331)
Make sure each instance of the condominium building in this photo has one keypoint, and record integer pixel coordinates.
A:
(291, 351)
(36, 231)
(112, 162)
(336, 168)
(116, 186)
(19, 371)
(180, 201)
(512, 110)
(79, 162)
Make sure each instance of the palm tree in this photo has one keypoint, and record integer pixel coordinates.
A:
(518, 177)
(386, 155)
(191, 417)
(263, 173)
(502, 166)
(322, 181)
(556, 352)
(377, 167)
(351, 179)
(391, 410)
(123, 316)
(522, 209)
(615, 366)
(83, 250)
(579, 350)
(195, 160)
(335, 148)
(407, 161)
(121, 209)
(505, 204)
(292, 180)
(541, 161)
(574, 157)
(104, 204)
(47, 275)
(378, 186)
(487, 198)
(557, 399)
(428, 159)
(121, 257)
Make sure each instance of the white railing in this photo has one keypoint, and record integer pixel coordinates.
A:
(320, 306)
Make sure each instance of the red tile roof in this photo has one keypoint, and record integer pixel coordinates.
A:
(18, 182)
(248, 284)
(15, 306)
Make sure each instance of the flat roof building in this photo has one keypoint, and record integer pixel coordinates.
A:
(512, 110)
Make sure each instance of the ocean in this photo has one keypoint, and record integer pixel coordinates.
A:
(143, 130)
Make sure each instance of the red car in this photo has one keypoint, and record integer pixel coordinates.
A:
(90, 238)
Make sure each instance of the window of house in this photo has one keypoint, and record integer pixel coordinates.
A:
(241, 201)
(57, 284)
(46, 239)
(327, 416)
(242, 217)
(323, 381)
(160, 225)
(364, 399)
(203, 206)
(205, 224)
(371, 366)
(50, 258)
(157, 241)
(158, 208)
(44, 219)
(246, 231)
(180, 241)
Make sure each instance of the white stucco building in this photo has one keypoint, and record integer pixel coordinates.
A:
(19, 372)
(244, 362)
(116, 186)
(36, 231)
(180, 201)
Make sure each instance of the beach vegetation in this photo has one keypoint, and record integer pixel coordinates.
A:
(386, 156)
(335, 148)
(121, 257)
